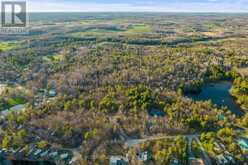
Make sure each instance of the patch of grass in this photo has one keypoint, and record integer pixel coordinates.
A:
(98, 21)
(11, 102)
(97, 32)
(53, 58)
(210, 26)
(89, 22)
(15, 101)
(5, 46)
(58, 57)
(139, 28)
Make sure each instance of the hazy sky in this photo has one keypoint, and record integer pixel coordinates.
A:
(139, 5)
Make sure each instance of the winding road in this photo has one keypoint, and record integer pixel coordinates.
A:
(190, 137)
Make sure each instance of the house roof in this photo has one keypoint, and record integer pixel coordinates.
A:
(114, 160)
(243, 143)
(16, 108)
(197, 162)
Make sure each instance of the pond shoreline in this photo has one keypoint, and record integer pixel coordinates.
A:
(219, 93)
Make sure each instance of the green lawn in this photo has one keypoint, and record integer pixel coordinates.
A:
(98, 21)
(15, 101)
(5, 46)
(139, 28)
(54, 58)
(97, 32)
(90, 22)
(5, 104)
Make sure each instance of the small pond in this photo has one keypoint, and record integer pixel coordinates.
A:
(219, 94)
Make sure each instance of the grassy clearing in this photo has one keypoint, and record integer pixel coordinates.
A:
(89, 22)
(5, 46)
(15, 101)
(54, 58)
(12, 96)
(97, 21)
(139, 28)
(58, 57)
(11, 102)
(97, 32)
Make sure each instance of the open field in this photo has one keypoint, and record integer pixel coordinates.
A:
(5, 46)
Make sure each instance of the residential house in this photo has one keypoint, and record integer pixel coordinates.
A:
(156, 112)
(225, 159)
(175, 162)
(37, 152)
(53, 154)
(44, 154)
(144, 156)
(17, 109)
(52, 93)
(243, 143)
(118, 160)
(64, 156)
(197, 162)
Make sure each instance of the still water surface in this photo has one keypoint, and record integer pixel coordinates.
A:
(219, 94)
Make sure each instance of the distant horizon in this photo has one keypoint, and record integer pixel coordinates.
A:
(176, 12)
(189, 6)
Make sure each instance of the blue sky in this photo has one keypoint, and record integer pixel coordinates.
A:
(138, 5)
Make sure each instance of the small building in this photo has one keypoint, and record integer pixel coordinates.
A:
(72, 160)
(175, 162)
(52, 93)
(230, 159)
(221, 160)
(31, 150)
(225, 159)
(37, 152)
(221, 117)
(22, 150)
(197, 162)
(118, 160)
(243, 143)
(44, 153)
(53, 154)
(15, 150)
(144, 156)
(18, 108)
(64, 156)
(217, 147)
(156, 112)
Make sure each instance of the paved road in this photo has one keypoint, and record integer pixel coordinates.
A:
(190, 152)
(133, 142)
(207, 160)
